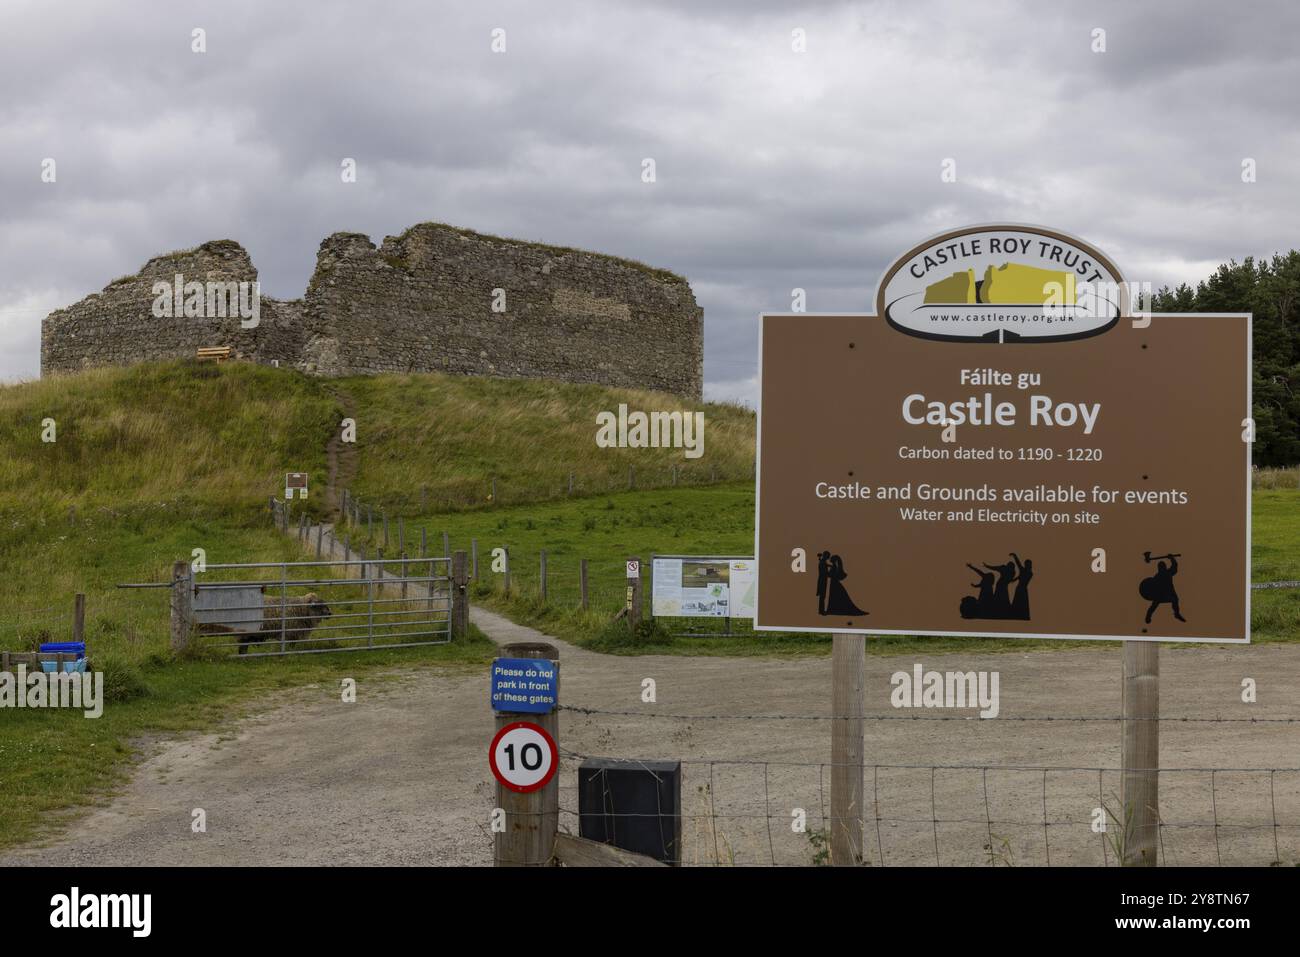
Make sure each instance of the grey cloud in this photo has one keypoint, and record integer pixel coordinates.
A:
(775, 169)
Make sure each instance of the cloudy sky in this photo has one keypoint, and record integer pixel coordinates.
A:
(776, 169)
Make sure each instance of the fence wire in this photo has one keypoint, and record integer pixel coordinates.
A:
(750, 812)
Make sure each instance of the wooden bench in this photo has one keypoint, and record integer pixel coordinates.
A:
(215, 353)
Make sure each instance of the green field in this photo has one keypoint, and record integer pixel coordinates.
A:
(607, 530)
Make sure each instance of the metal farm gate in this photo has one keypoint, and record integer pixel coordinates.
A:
(299, 608)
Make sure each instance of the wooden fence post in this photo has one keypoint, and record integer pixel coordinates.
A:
(446, 545)
(320, 538)
(582, 582)
(182, 605)
(1140, 783)
(473, 558)
(384, 516)
(542, 574)
(401, 535)
(424, 542)
(79, 618)
(848, 696)
(532, 819)
(459, 596)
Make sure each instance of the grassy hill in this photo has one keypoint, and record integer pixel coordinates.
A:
(152, 461)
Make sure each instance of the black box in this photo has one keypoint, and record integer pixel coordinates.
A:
(635, 805)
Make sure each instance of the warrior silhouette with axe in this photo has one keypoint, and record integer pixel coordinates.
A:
(1159, 588)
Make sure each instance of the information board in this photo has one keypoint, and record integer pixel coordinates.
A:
(978, 459)
(686, 586)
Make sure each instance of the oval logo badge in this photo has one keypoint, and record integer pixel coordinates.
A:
(1002, 283)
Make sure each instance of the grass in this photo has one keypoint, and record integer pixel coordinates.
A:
(153, 461)
(452, 435)
(607, 530)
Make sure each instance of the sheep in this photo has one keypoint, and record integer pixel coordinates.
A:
(300, 616)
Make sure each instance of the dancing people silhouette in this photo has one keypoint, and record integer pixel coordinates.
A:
(994, 599)
(1024, 574)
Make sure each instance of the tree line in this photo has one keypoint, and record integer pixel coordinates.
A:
(1270, 289)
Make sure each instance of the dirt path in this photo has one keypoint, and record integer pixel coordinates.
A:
(340, 456)
(400, 777)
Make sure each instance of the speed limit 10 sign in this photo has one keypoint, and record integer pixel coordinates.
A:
(523, 756)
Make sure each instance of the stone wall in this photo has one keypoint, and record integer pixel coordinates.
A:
(421, 302)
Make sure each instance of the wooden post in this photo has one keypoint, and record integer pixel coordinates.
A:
(494, 490)
(79, 618)
(182, 605)
(582, 582)
(532, 819)
(446, 545)
(1140, 783)
(473, 558)
(320, 536)
(848, 696)
(634, 595)
(459, 596)
(542, 574)
(384, 516)
(401, 534)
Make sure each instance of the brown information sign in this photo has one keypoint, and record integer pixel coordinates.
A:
(1003, 449)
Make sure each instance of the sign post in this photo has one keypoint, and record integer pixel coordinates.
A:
(524, 691)
(1004, 447)
(633, 593)
(295, 482)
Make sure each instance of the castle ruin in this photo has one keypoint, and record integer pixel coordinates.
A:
(434, 299)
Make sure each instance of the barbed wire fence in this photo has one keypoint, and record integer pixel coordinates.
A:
(750, 812)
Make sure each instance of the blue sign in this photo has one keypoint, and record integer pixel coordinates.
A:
(525, 684)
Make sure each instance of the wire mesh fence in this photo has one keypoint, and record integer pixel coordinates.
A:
(749, 812)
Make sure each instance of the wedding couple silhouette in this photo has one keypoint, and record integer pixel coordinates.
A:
(832, 598)
(995, 599)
